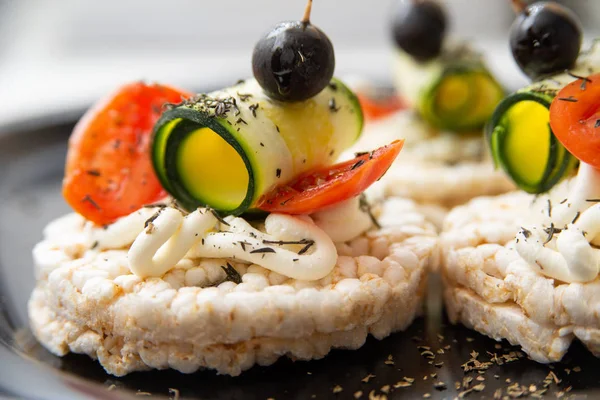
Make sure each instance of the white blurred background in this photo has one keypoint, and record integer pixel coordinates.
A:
(60, 55)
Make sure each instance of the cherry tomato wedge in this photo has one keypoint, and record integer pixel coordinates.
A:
(374, 109)
(321, 188)
(108, 172)
(575, 119)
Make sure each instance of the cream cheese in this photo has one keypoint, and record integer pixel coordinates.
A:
(562, 244)
(158, 238)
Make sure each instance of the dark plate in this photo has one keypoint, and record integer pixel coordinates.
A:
(31, 168)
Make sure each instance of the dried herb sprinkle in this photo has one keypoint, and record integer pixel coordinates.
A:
(357, 164)
(253, 108)
(87, 198)
(569, 99)
(584, 79)
(263, 250)
(93, 172)
(232, 274)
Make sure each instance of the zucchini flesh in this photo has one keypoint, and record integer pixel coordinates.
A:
(226, 149)
(205, 159)
(527, 152)
(183, 185)
(519, 135)
(453, 92)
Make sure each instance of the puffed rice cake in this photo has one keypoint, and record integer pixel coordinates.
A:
(489, 288)
(438, 169)
(88, 302)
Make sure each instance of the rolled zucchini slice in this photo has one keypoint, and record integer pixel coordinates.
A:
(519, 134)
(453, 92)
(226, 149)
(523, 144)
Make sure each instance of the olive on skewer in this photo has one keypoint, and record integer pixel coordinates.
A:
(545, 38)
(294, 61)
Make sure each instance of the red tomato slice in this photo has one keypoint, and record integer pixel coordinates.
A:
(318, 189)
(575, 119)
(374, 109)
(108, 173)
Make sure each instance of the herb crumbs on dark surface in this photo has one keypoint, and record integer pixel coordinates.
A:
(428, 354)
(367, 378)
(174, 393)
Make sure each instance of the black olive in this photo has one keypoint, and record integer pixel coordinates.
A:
(418, 28)
(294, 61)
(545, 38)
